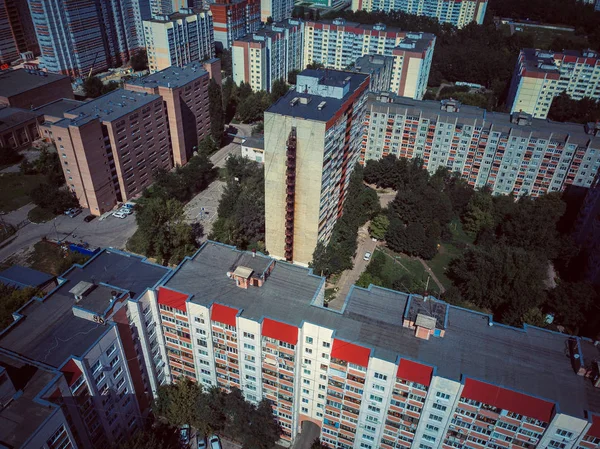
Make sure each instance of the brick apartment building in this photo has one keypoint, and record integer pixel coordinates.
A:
(390, 370)
(510, 153)
(28, 89)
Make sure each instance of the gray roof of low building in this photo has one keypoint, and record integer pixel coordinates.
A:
(59, 107)
(109, 107)
(50, 333)
(14, 82)
(11, 117)
(254, 142)
(311, 111)
(530, 360)
(21, 277)
(474, 116)
(172, 77)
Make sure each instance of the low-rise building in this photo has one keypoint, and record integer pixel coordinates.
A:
(179, 38)
(457, 12)
(269, 54)
(234, 19)
(24, 277)
(541, 75)
(510, 153)
(18, 127)
(28, 89)
(337, 44)
(253, 148)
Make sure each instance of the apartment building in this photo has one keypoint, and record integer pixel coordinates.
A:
(510, 153)
(16, 30)
(76, 37)
(337, 44)
(380, 71)
(166, 7)
(541, 75)
(234, 19)
(457, 12)
(390, 370)
(74, 371)
(179, 39)
(28, 89)
(109, 147)
(312, 143)
(276, 10)
(184, 92)
(261, 58)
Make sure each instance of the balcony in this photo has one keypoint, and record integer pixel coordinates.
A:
(290, 190)
(289, 216)
(289, 241)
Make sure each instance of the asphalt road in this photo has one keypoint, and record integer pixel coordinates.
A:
(349, 277)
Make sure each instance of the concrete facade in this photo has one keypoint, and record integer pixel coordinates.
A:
(276, 10)
(235, 19)
(312, 142)
(179, 39)
(509, 153)
(541, 75)
(268, 55)
(338, 44)
(457, 12)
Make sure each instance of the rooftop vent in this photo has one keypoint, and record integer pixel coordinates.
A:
(379, 26)
(294, 101)
(321, 105)
(521, 118)
(451, 105)
(305, 100)
(81, 290)
(339, 21)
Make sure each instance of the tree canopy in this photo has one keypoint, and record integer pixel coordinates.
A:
(216, 112)
(565, 109)
(94, 87)
(139, 61)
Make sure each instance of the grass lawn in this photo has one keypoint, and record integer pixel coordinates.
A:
(15, 189)
(39, 215)
(47, 257)
(450, 251)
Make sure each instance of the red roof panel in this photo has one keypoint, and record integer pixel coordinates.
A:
(594, 430)
(280, 331)
(224, 314)
(508, 400)
(415, 372)
(71, 371)
(350, 352)
(171, 298)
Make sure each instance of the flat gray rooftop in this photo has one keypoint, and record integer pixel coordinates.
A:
(172, 77)
(474, 116)
(50, 333)
(311, 111)
(529, 360)
(14, 82)
(108, 107)
(10, 117)
(21, 417)
(254, 142)
(59, 107)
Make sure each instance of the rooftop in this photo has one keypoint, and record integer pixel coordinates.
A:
(50, 333)
(319, 107)
(58, 108)
(25, 413)
(530, 360)
(15, 82)
(474, 116)
(181, 14)
(547, 61)
(10, 117)
(21, 277)
(172, 77)
(254, 142)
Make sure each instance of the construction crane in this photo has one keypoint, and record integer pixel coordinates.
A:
(93, 63)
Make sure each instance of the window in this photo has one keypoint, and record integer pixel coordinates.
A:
(309, 340)
(308, 350)
(376, 398)
(439, 407)
(441, 395)
(111, 350)
(249, 347)
(249, 335)
(326, 344)
(380, 376)
(564, 433)
(436, 418)
(198, 320)
(378, 387)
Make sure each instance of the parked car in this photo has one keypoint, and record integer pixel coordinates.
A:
(201, 442)
(129, 205)
(73, 212)
(367, 256)
(120, 214)
(89, 218)
(184, 435)
(215, 442)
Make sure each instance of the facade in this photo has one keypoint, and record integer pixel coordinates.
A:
(457, 12)
(276, 10)
(253, 148)
(166, 7)
(16, 31)
(184, 92)
(178, 39)
(18, 127)
(391, 370)
(509, 153)
(312, 143)
(94, 388)
(78, 37)
(31, 88)
(541, 75)
(234, 19)
(269, 54)
(337, 44)
(380, 71)
(109, 147)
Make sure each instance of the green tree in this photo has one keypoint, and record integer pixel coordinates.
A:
(12, 299)
(9, 156)
(139, 61)
(52, 198)
(226, 64)
(379, 226)
(156, 436)
(230, 98)
(278, 90)
(178, 403)
(571, 302)
(479, 213)
(293, 76)
(217, 114)
(263, 430)
(94, 87)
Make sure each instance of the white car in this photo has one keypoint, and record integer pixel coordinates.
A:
(367, 256)
(126, 210)
(201, 443)
(214, 442)
(119, 214)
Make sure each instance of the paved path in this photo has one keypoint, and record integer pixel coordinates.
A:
(18, 216)
(433, 276)
(349, 277)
